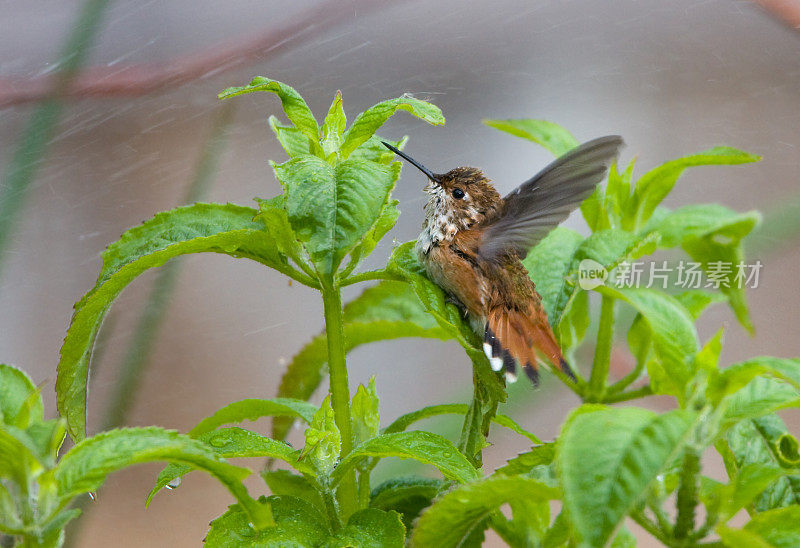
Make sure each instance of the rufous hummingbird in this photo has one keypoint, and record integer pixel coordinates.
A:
(473, 241)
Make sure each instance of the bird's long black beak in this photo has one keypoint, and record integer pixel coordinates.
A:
(423, 169)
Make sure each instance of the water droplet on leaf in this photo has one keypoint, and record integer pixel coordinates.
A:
(174, 484)
(218, 441)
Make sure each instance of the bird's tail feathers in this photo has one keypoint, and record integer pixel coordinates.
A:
(512, 339)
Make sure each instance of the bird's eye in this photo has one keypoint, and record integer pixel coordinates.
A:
(458, 193)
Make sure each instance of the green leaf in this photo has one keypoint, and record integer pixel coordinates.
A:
(672, 328)
(786, 369)
(488, 393)
(699, 220)
(273, 215)
(528, 525)
(777, 528)
(574, 321)
(373, 150)
(405, 265)
(524, 463)
(508, 422)
(623, 539)
(227, 229)
(52, 534)
(697, 300)
(489, 390)
(707, 359)
(385, 222)
(712, 235)
(607, 248)
(549, 264)
(605, 208)
(233, 443)
(254, 409)
(653, 186)
(390, 301)
(761, 396)
(406, 495)
(455, 515)
(424, 447)
(368, 122)
(85, 467)
(283, 482)
(594, 212)
(47, 436)
(388, 310)
(370, 528)
(323, 441)
(735, 538)
(332, 208)
(551, 136)
(333, 126)
(732, 379)
(365, 413)
(748, 483)
(612, 246)
(293, 104)
(9, 516)
(297, 523)
(20, 402)
(618, 192)
(637, 445)
(19, 456)
(293, 141)
(402, 422)
(765, 441)
(559, 533)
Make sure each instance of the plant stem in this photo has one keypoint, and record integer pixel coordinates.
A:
(628, 379)
(32, 148)
(686, 499)
(471, 439)
(650, 527)
(330, 507)
(140, 348)
(363, 488)
(645, 390)
(340, 390)
(481, 411)
(602, 352)
(662, 520)
(369, 275)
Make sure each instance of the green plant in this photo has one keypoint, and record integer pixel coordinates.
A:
(335, 208)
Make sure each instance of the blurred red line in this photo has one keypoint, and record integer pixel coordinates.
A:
(135, 80)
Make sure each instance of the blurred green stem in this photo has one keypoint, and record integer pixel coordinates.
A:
(340, 390)
(640, 518)
(368, 276)
(602, 352)
(686, 498)
(778, 230)
(478, 418)
(30, 152)
(627, 380)
(642, 392)
(139, 349)
(141, 345)
(471, 440)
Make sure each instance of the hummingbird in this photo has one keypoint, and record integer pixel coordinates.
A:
(473, 241)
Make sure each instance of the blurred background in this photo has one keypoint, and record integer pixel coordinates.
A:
(138, 129)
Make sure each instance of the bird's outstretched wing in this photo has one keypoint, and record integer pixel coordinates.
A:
(542, 202)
